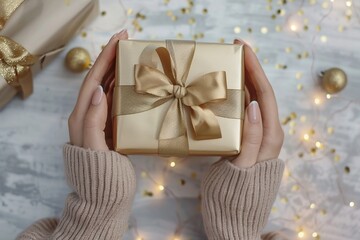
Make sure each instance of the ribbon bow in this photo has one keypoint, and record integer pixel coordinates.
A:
(171, 84)
(7, 8)
(15, 62)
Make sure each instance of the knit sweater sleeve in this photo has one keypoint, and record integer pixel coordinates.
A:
(236, 202)
(103, 184)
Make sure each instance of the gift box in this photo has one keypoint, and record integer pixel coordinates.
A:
(31, 33)
(178, 98)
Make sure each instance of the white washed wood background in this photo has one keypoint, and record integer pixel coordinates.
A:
(32, 132)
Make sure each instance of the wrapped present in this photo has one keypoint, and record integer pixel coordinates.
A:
(178, 98)
(31, 33)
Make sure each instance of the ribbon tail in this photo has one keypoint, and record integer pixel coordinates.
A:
(204, 123)
(173, 139)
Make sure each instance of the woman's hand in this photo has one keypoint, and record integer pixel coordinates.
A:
(90, 121)
(263, 136)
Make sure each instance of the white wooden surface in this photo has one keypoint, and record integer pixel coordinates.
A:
(32, 132)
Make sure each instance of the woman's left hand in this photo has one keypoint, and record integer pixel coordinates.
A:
(90, 121)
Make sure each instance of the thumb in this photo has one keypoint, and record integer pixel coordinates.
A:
(95, 121)
(252, 137)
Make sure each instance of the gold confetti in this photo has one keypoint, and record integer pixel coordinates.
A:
(347, 169)
(182, 182)
(288, 49)
(169, 13)
(298, 75)
(293, 115)
(174, 18)
(249, 30)
(313, 151)
(341, 28)
(297, 217)
(318, 28)
(300, 155)
(269, 7)
(193, 175)
(255, 49)
(284, 200)
(323, 212)
(274, 209)
(221, 40)
(295, 188)
(337, 158)
(299, 87)
(303, 118)
(273, 16)
(300, 12)
(191, 21)
(103, 13)
(292, 131)
(306, 27)
(129, 11)
(333, 150)
(143, 174)
(166, 1)
(330, 130)
(185, 10)
(266, 61)
(312, 2)
(205, 11)
(325, 4)
(84, 34)
(148, 193)
(278, 28)
(179, 36)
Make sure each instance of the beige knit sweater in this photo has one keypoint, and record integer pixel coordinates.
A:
(236, 202)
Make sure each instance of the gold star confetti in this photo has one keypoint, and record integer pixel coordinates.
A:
(347, 169)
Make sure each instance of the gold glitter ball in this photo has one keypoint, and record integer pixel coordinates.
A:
(78, 59)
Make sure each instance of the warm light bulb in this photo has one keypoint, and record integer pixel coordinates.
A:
(348, 3)
(317, 101)
(318, 144)
(306, 137)
(139, 238)
(172, 164)
(351, 204)
(328, 96)
(161, 187)
(312, 206)
(314, 234)
(293, 27)
(301, 234)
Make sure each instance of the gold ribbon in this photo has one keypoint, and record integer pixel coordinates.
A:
(8, 7)
(15, 62)
(154, 87)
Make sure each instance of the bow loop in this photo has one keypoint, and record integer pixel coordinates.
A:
(15, 62)
(171, 84)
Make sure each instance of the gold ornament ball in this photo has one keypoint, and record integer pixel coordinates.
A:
(78, 59)
(333, 80)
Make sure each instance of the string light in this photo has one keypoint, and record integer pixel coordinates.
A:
(351, 204)
(172, 164)
(315, 234)
(301, 234)
(293, 27)
(328, 96)
(318, 144)
(161, 187)
(312, 205)
(348, 3)
(139, 238)
(317, 101)
(306, 137)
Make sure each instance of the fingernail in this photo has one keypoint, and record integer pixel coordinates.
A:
(97, 96)
(253, 112)
(122, 32)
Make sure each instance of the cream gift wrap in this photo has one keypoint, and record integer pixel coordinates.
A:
(178, 98)
(31, 32)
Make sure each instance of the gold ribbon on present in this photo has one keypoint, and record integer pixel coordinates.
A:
(15, 62)
(7, 8)
(154, 87)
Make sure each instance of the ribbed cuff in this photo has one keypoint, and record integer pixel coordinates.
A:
(99, 175)
(237, 202)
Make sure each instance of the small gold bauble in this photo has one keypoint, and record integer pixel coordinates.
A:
(333, 80)
(78, 59)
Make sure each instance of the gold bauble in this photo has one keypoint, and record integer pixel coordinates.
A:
(333, 80)
(78, 59)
